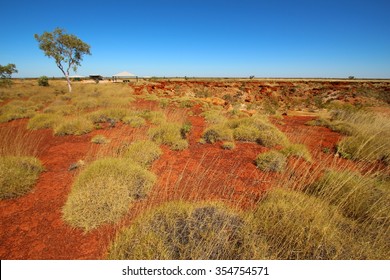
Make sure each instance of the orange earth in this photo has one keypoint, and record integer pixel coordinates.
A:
(32, 227)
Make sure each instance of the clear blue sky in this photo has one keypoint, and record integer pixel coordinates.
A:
(329, 38)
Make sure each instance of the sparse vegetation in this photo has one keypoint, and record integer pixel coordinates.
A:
(281, 201)
(100, 139)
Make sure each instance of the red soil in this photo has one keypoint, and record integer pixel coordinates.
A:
(32, 227)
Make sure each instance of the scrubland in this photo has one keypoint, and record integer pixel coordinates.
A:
(218, 169)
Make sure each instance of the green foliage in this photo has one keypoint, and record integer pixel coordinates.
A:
(66, 49)
(271, 161)
(143, 152)
(75, 126)
(183, 231)
(6, 73)
(43, 81)
(103, 192)
(18, 175)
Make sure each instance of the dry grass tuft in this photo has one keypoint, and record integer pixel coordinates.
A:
(104, 190)
(179, 230)
(18, 175)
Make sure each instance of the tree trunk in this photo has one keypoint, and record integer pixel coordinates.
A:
(69, 83)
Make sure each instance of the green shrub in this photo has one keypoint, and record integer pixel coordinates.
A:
(18, 175)
(271, 161)
(100, 139)
(76, 126)
(43, 81)
(183, 231)
(103, 192)
(40, 121)
(143, 152)
(297, 226)
(297, 150)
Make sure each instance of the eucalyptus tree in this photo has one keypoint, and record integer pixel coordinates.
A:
(66, 49)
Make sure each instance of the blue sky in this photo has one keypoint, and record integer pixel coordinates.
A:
(204, 38)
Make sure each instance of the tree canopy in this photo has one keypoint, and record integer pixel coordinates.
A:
(7, 70)
(66, 49)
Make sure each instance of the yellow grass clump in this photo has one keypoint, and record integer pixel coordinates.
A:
(184, 231)
(18, 175)
(104, 190)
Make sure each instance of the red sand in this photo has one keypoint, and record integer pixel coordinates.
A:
(32, 228)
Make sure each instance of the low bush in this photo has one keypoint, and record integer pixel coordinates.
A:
(357, 196)
(362, 146)
(103, 192)
(271, 161)
(217, 133)
(75, 126)
(143, 152)
(183, 231)
(40, 121)
(18, 175)
(297, 226)
(43, 81)
(246, 133)
(297, 150)
(168, 134)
